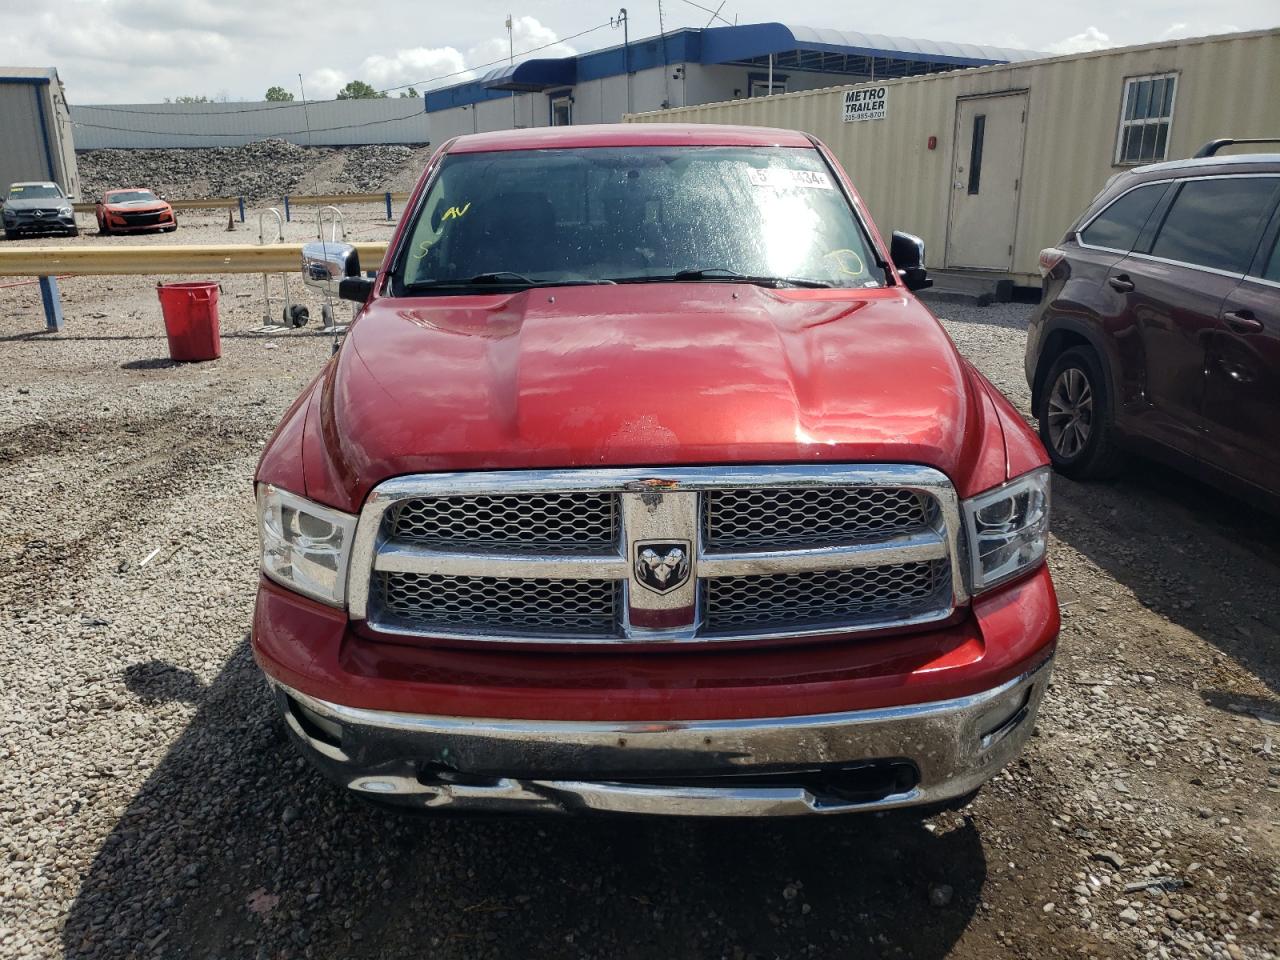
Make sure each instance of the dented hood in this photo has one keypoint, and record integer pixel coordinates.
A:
(635, 375)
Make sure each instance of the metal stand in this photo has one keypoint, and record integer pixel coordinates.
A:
(293, 315)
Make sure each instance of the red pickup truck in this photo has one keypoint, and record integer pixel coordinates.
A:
(643, 483)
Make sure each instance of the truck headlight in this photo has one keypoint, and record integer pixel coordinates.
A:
(1008, 529)
(305, 546)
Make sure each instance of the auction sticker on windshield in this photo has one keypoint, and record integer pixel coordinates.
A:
(780, 178)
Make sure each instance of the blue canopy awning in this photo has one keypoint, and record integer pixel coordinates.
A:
(532, 76)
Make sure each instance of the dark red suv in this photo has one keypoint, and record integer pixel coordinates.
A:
(1159, 329)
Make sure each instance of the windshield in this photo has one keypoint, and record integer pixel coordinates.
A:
(636, 214)
(130, 196)
(34, 192)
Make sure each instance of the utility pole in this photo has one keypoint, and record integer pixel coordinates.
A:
(511, 49)
(621, 21)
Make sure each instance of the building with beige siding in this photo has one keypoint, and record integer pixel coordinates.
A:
(991, 165)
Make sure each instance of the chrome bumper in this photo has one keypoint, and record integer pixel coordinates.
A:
(830, 763)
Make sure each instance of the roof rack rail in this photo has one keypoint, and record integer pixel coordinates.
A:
(1213, 146)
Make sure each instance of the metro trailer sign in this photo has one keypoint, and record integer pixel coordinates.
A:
(865, 103)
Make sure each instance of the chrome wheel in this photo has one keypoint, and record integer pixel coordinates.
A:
(1070, 412)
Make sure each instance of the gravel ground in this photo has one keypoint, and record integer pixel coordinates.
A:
(150, 810)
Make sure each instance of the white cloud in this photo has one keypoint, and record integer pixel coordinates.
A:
(1091, 39)
(1179, 31)
(414, 66)
(527, 33)
(324, 83)
(95, 36)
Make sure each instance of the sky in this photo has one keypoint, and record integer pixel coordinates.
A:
(142, 51)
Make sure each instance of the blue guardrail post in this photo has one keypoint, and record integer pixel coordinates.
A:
(388, 204)
(242, 209)
(286, 209)
(52, 304)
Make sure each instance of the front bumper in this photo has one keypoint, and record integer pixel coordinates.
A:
(874, 759)
(24, 223)
(117, 223)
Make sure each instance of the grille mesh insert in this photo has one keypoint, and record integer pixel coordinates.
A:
(820, 598)
(763, 518)
(535, 522)
(518, 607)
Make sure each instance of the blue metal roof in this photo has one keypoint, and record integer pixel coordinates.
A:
(792, 47)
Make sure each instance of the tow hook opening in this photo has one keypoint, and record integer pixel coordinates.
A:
(868, 782)
(441, 774)
(315, 726)
(1006, 724)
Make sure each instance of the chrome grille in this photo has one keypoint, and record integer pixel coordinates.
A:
(541, 522)
(526, 607)
(825, 597)
(743, 519)
(569, 556)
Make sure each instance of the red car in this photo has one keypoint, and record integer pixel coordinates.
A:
(643, 483)
(132, 210)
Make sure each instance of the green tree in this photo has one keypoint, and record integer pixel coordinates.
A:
(278, 95)
(359, 90)
(410, 93)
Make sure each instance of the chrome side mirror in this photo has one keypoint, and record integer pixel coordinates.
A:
(326, 263)
(907, 252)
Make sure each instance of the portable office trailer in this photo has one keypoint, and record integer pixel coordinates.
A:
(36, 143)
(991, 165)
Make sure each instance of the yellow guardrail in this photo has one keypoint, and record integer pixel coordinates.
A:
(335, 199)
(212, 203)
(315, 200)
(157, 259)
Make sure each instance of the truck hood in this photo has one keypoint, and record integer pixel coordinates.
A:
(636, 375)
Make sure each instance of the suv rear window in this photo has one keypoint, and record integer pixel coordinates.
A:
(635, 214)
(1215, 223)
(1118, 226)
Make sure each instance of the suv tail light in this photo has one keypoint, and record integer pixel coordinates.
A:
(1050, 257)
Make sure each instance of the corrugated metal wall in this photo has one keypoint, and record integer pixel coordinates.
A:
(1227, 87)
(36, 144)
(332, 123)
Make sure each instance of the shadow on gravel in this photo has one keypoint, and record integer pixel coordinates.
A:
(154, 363)
(1199, 557)
(158, 682)
(234, 848)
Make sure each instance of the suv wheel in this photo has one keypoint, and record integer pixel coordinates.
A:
(1077, 421)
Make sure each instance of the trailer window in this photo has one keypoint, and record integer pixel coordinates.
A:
(1145, 117)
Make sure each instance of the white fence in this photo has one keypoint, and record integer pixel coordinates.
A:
(331, 122)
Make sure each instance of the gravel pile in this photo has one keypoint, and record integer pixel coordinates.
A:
(265, 170)
(372, 168)
(148, 808)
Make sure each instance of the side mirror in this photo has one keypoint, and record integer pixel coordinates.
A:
(907, 252)
(333, 268)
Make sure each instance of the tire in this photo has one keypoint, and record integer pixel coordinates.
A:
(1077, 417)
(10, 234)
(73, 232)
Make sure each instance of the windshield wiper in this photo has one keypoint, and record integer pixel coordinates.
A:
(723, 274)
(497, 278)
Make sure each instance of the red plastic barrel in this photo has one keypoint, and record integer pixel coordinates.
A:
(191, 320)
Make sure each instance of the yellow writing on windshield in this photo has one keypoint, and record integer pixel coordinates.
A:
(453, 213)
